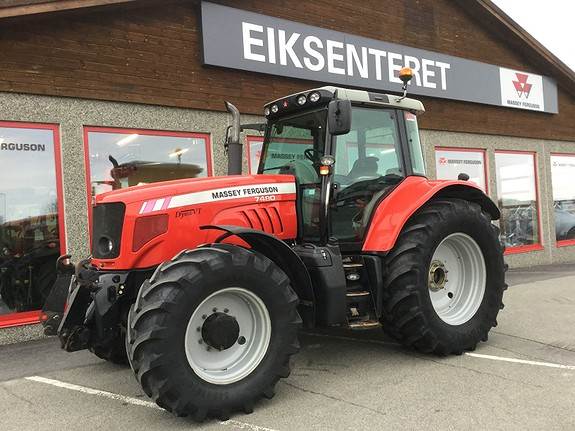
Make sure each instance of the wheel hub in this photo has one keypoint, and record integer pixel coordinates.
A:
(437, 276)
(220, 331)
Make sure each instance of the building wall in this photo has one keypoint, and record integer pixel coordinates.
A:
(147, 53)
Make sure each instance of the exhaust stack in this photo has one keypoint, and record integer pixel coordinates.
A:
(233, 144)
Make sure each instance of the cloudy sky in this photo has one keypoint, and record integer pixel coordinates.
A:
(549, 21)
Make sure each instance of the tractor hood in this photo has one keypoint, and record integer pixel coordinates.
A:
(143, 226)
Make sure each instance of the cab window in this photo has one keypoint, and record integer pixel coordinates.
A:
(368, 164)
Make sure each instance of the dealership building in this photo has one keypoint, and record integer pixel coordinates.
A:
(100, 95)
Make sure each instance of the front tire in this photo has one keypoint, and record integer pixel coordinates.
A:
(213, 331)
(445, 279)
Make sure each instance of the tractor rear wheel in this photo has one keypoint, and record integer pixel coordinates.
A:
(213, 331)
(445, 279)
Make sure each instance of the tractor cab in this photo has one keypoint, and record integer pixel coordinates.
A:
(347, 149)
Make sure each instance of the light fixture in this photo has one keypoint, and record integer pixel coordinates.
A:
(275, 109)
(301, 100)
(127, 139)
(178, 152)
(267, 112)
(314, 97)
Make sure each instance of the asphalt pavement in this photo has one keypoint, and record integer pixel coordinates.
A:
(523, 378)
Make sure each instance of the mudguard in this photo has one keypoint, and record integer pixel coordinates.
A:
(283, 256)
(411, 194)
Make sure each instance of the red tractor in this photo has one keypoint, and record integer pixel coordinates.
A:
(204, 283)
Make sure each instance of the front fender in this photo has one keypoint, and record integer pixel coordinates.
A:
(411, 194)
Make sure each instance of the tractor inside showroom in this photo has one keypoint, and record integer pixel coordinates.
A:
(202, 284)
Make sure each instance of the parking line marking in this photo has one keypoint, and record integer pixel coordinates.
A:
(133, 401)
(521, 361)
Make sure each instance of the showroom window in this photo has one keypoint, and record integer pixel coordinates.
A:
(31, 219)
(450, 162)
(254, 152)
(518, 200)
(119, 158)
(562, 174)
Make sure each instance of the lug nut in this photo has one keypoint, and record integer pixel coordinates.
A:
(204, 316)
(214, 309)
(200, 341)
(198, 329)
(242, 340)
(226, 310)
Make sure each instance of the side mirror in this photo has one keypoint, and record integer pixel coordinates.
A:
(339, 117)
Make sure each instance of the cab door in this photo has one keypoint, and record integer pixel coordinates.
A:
(369, 164)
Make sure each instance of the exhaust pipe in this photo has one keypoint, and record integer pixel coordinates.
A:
(233, 145)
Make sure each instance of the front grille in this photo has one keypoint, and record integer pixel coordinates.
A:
(107, 223)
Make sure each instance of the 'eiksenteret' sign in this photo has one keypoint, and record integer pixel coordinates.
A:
(243, 40)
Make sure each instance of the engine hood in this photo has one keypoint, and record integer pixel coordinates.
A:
(158, 221)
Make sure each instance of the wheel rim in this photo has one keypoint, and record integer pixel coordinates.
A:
(457, 278)
(217, 357)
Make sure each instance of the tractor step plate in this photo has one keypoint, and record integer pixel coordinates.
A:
(365, 324)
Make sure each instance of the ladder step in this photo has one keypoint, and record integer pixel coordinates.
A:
(352, 265)
(356, 293)
(365, 324)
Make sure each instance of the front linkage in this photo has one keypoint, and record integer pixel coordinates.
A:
(96, 311)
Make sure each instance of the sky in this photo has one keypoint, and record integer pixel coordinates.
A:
(549, 21)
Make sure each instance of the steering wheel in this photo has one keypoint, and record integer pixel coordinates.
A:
(311, 154)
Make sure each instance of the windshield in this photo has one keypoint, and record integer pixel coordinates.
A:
(293, 146)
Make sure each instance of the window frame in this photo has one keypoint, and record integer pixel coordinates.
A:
(34, 316)
(539, 245)
(483, 152)
(127, 130)
(563, 242)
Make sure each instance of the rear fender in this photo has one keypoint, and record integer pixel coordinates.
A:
(396, 209)
(284, 257)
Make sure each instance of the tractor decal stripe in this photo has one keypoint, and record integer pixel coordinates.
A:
(149, 206)
(226, 193)
(143, 207)
(158, 205)
(166, 203)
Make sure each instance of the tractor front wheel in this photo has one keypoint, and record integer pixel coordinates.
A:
(213, 331)
(445, 279)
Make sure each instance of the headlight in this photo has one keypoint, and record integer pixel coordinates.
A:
(301, 100)
(267, 112)
(314, 97)
(105, 245)
(275, 109)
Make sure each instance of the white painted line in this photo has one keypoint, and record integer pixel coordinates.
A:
(133, 401)
(97, 392)
(521, 361)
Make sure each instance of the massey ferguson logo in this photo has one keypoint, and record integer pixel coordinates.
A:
(521, 86)
(443, 160)
(521, 90)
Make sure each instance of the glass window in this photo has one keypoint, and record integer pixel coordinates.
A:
(124, 158)
(414, 143)
(30, 224)
(562, 174)
(293, 146)
(254, 149)
(450, 162)
(517, 199)
(367, 164)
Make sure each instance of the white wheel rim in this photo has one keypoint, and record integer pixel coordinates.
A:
(222, 367)
(457, 278)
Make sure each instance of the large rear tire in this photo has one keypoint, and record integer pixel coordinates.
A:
(445, 279)
(213, 331)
